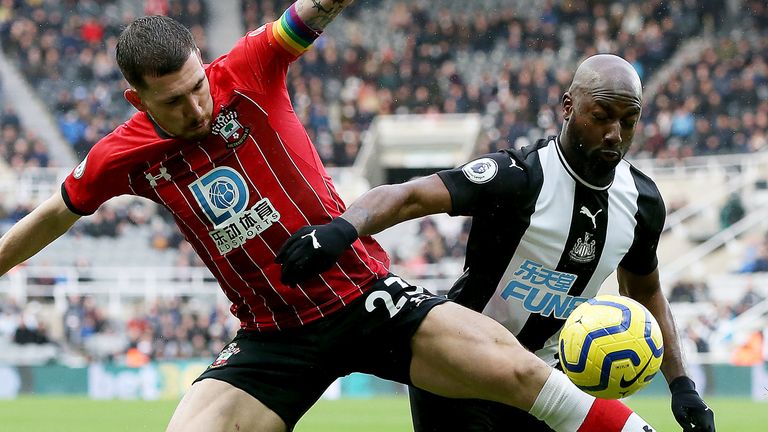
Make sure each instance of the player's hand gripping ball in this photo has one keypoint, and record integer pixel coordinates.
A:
(611, 346)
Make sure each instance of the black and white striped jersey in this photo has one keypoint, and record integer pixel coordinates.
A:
(543, 240)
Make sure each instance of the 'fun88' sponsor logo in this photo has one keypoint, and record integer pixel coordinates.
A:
(542, 290)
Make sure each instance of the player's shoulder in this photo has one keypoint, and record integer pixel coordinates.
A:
(527, 156)
(127, 142)
(510, 167)
(651, 207)
(646, 187)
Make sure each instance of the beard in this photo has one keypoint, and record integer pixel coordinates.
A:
(598, 169)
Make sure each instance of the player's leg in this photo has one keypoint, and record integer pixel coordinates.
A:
(460, 353)
(259, 382)
(213, 405)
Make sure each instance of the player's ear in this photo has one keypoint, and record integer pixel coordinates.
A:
(133, 98)
(567, 106)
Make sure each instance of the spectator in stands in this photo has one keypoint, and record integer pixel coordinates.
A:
(682, 291)
(750, 298)
(689, 291)
(434, 243)
(458, 247)
(756, 257)
(30, 331)
(9, 320)
(732, 211)
(696, 345)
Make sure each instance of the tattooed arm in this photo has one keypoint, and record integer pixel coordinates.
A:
(317, 14)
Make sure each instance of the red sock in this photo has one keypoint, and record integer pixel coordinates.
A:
(565, 408)
(612, 416)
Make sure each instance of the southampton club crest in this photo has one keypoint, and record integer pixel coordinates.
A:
(228, 127)
(225, 354)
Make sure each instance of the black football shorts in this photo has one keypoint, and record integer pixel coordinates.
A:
(289, 370)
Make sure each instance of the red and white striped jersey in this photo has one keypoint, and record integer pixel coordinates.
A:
(238, 194)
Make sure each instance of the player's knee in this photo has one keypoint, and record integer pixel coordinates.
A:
(520, 366)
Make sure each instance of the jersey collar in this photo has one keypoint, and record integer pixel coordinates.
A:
(158, 130)
(573, 174)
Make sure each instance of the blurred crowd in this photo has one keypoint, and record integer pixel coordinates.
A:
(699, 331)
(510, 65)
(65, 49)
(716, 104)
(20, 147)
(175, 328)
(755, 255)
(166, 329)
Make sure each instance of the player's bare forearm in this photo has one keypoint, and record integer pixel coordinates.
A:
(672, 366)
(388, 205)
(35, 231)
(317, 14)
(647, 290)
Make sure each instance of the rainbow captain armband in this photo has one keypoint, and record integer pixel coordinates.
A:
(292, 33)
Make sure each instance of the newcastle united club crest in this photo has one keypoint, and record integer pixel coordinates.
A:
(584, 250)
(228, 127)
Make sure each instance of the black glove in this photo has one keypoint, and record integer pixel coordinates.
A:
(689, 409)
(314, 249)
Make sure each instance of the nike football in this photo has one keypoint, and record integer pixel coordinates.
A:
(611, 346)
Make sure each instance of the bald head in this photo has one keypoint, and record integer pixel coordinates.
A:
(607, 73)
(600, 112)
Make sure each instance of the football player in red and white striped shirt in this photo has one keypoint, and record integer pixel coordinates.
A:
(220, 147)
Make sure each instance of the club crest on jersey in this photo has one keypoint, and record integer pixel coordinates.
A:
(153, 178)
(584, 250)
(225, 354)
(228, 127)
(481, 170)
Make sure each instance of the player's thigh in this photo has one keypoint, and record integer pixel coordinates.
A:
(285, 371)
(460, 353)
(212, 405)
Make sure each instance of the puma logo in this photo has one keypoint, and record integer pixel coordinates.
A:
(585, 211)
(315, 243)
(647, 428)
(626, 383)
(514, 164)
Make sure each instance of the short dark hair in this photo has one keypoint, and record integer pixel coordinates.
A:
(152, 46)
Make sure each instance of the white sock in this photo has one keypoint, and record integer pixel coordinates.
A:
(560, 404)
(565, 408)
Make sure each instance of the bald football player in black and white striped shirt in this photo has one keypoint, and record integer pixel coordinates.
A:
(550, 223)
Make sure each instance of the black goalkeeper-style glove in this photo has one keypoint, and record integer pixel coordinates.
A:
(314, 249)
(688, 408)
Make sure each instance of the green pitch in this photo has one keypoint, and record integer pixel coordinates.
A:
(374, 415)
